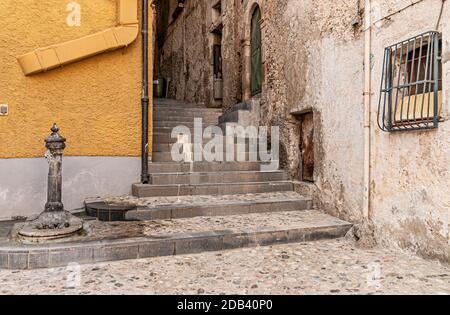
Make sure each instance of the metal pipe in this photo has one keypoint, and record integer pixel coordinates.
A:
(145, 177)
(367, 106)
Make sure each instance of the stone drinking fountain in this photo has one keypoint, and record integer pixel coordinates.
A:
(54, 222)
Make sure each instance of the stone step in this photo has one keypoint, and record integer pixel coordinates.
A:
(184, 108)
(188, 112)
(235, 156)
(143, 190)
(164, 138)
(184, 121)
(176, 237)
(189, 124)
(158, 103)
(180, 167)
(168, 130)
(217, 177)
(234, 116)
(159, 131)
(217, 207)
(189, 117)
(167, 138)
(170, 208)
(167, 147)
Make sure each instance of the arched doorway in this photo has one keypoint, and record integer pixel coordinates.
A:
(256, 52)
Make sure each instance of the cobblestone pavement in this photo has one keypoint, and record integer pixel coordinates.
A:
(325, 267)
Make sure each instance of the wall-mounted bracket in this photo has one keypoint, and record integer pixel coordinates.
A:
(4, 110)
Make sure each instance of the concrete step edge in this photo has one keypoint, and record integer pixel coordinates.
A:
(218, 208)
(277, 183)
(219, 172)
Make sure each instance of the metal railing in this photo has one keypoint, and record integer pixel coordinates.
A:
(411, 84)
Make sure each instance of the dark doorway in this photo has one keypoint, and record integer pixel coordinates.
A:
(217, 62)
(257, 73)
(307, 146)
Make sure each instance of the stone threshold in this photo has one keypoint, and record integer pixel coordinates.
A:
(318, 226)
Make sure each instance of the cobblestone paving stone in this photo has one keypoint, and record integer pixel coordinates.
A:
(325, 267)
(153, 202)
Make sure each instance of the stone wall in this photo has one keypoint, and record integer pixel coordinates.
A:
(185, 55)
(303, 43)
(411, 170)
(232, 12)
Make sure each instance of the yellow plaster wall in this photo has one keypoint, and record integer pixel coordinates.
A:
(96, 101)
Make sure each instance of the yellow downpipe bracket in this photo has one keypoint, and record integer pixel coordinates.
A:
(51, 57)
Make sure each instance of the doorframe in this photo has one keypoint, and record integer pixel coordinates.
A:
(247, 51)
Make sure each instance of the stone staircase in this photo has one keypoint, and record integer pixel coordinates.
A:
(201, 178)
(214, 195)
(191, 189)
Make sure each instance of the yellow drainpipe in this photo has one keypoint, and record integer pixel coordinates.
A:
(51, 57)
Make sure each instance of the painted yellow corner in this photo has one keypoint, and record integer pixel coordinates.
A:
(96, 103)
(51, 57)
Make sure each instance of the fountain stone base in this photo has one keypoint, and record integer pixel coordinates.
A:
(51, 225)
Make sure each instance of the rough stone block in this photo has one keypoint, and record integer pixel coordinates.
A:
(239, 241)
(271, 237)
(157, 249)
(260, 207)
(325, 233)
(198, 245)
(289, 205)
(4, 261)
(18, 260)
(65, 256)
(187, 212)
(114, 252)
(38, 259)
(296, 235)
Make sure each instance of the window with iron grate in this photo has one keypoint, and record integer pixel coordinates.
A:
(411, 87)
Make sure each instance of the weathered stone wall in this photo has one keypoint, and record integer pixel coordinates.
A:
(411, 170)
(232, 16)
(185, 55)
(313, 61)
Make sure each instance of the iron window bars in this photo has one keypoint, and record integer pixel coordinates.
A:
(411, 84)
